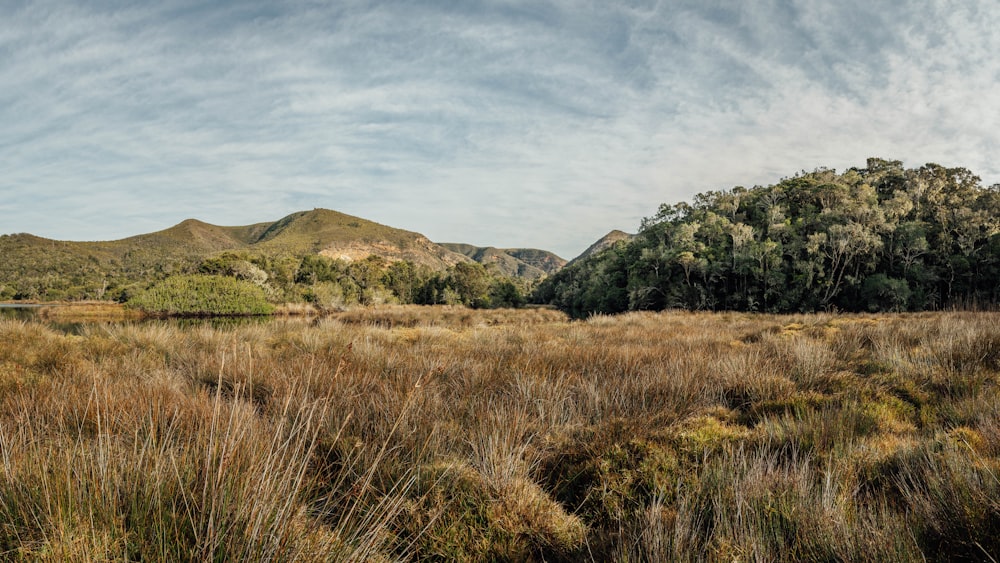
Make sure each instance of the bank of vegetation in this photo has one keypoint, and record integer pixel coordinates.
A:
(505, 435)
(878, 238)
(242, 282)
(288, 260)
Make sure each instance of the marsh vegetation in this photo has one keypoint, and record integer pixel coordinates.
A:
(420, 433)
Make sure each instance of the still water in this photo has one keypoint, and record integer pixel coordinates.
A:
(29, 312)
(18, 311)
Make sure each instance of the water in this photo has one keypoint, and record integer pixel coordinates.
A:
(29, 312)
(18, 311)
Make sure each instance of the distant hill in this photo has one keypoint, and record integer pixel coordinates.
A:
(606, 241)
(541, 259)
(320, 231)
(527, 263)
(36, 266)
(30, 263)
(337, 235)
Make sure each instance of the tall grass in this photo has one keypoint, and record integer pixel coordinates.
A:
(449, 434)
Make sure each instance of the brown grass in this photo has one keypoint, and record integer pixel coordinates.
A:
(87, 311)
(451, 434)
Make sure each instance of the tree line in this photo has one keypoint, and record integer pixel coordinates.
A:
(879, 238)
(330, 283)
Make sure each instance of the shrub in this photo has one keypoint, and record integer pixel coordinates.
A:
(202, 295)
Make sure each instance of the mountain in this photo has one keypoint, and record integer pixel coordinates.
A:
(337, 235)
(541, 259)
(320, 231)
(36, 267)
(527, 263)
(32, 263)
(195, 235)
(606, 241)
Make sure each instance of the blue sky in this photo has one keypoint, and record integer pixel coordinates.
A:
(506, 123)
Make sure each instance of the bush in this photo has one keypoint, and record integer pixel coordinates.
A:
(202, 295)
(882, 293)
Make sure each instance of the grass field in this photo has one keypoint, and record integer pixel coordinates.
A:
(449, 434)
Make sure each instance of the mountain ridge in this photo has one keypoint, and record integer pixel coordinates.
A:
(32, 265)
(530, 263)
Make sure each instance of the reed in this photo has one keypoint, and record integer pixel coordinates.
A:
(410, 433)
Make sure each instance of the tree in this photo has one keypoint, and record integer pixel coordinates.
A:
(882, 293)
(471, 283)
(912, 244)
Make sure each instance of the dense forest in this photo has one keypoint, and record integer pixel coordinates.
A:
(869, 239)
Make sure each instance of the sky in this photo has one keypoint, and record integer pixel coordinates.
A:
(508, 123)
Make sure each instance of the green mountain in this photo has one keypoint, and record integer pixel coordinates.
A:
(38, 268)
(527, 263)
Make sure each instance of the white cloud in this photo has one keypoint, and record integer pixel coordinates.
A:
(508, 123)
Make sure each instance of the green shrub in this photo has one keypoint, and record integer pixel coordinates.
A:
(202, 295)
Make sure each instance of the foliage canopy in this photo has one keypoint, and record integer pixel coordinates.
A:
(868, 239)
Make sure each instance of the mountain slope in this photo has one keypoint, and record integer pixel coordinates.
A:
(187, 237)
(541, 259)
(527, 263)
(606, 241)
(36, 267)
(32, 266)
(337, 235)
(320, 231)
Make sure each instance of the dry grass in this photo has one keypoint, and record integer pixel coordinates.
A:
(450, 434)
(88, 311)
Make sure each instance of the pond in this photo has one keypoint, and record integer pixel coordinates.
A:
(18, 311)
(29, 312)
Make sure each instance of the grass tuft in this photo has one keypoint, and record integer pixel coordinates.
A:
(449, 434)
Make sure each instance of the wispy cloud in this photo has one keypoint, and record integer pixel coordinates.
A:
(513, 123)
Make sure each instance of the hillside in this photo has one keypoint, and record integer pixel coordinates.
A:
(38, 268)
(337, 235)
(526, 263)
(541, 259)
(602, 243)
(194, 236)
(876, 238)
